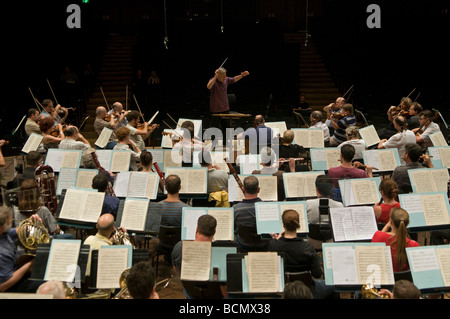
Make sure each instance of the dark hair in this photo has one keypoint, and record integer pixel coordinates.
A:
(100, 182)
(324, 185)
(46, 102)
(70, 131)
(414, 151)
(426, 114)
(405, 289)
(297, 290)
(348, 152)
(132, 115)
(348, 107)
(32, 111)
(417, 107)
(172, 184)
(33, 158)
(141, 280)
(46, 123)
(251, 185)
(146, 158)
(207, 225)
(291, 220)
(317, 115)
(389, 187)
(401, 121)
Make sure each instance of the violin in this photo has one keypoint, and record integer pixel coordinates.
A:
(55, 131)
(337, 115)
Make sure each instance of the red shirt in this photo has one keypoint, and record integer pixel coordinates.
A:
(386, 212)
(341, 172)
(219, 95)
(382, 237)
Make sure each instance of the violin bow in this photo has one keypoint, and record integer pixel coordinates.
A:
(350, 89)
(35, 100)
(53, 93)
(126, 97)
(137, 104)
(104, 98)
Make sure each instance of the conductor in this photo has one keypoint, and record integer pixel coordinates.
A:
(218, 86)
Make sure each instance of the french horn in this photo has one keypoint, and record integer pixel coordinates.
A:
(123, 293)
(369, 291)
(121, 237)
(31, 233)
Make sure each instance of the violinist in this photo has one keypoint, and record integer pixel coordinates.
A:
(49, 110)
(118, 112)
(341, 125)
(74, 140)
(403, 109)
(316, 122)
(100, 123)
(138, 134)
(427, 127)
(414, 111)
(125, 143)
(400, 139)
(53, 133)
(31, 125)
(331, 109)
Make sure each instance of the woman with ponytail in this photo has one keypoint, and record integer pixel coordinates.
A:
(395, 235)
(389, 195)
(298, 254)
(400, 139)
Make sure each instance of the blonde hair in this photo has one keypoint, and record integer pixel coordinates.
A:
(122, 133)
(400, 219)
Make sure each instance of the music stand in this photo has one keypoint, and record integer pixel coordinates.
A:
(300, 120)
(203, 289)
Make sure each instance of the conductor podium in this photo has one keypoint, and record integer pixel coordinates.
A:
(232, 117)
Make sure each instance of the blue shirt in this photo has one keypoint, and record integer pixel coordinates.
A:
(262, 135)
(8, 254)
(110, 205)
(339, 134)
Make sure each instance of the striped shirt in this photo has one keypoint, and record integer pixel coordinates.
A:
(171, 212)
(339, 133)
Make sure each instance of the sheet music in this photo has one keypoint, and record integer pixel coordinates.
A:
(104, 158)
(104, 137)
(353, 223)
(440, 178)
(344, 267)
(309, 138)
(422, 259)
(121, 184)
(443, 256)
(193, 180)
(62, 260)
(445, 156)
(422, 181)
(438, 139)
(85, 177)
(32, 143)
(248, 163)
(82, 205)
(196, 260)
(267, 212)
(387, 160)
(54, 158)
(300, 184)
(435, 209)
(369, 135)
(364, 191)
(166, 141)
(169, 161)
(412, 204)
(332, 157)
(120, 161)
(371, 158)
(112, 261)
(224, 228)
(152, 185)
(134, 214)
(190, 220)
(263, 271)
(277, 127)
(371, 264)
(66, 179)
(137, 184)
(158, 156)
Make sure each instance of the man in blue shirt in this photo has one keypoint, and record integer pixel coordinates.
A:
(110, 203)
(341, 125)
(259, 135)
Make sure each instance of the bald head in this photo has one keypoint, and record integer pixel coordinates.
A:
(54, 288)
(117, 107)
(105, 224)
(100, 110)
(259, 119)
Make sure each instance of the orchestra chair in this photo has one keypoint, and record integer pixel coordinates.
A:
(403, 275)
(253, 241)
(304, 276)
(203, 289)
(168, 237)
(321, 232)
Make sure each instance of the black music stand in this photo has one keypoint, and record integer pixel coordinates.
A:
(42, 255)
(152, 221)
(203, 289)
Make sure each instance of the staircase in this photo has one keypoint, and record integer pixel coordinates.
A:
(115, 73)
(315, 81)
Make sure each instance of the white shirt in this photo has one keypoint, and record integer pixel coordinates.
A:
(359, 146)
(399, 141)
(135, 157)
(324, 127)
(70, 144)
(136, 138)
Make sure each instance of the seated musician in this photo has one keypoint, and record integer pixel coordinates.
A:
(316, 122)
(403, 109)
(100, 123)
(184, 149)
(332, 108)
(31, 125)
(427, 127)
(138, 134)
(412, 157)
(53, 134)
(339, 126)
(269, 165)
(125, 143)
(287, 150)
(389, 194)
(119, 113)
(74, 140)
(30, 203)
(49, 110)
(347, 170)
(33, 161)
(141, 281)
(353, 138)
(146, 159)
(12, 277)
(259, 135)
(110, 203)
(217, 178)
(414, 111)
(400, 139)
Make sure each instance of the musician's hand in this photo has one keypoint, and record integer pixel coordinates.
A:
(36, 217)
(245, 73)
(383, 140)
(385, 292)
(122, 229)
(2, 142)
(216, 73)
(292, 164)
(369, 170)
(426, 160)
